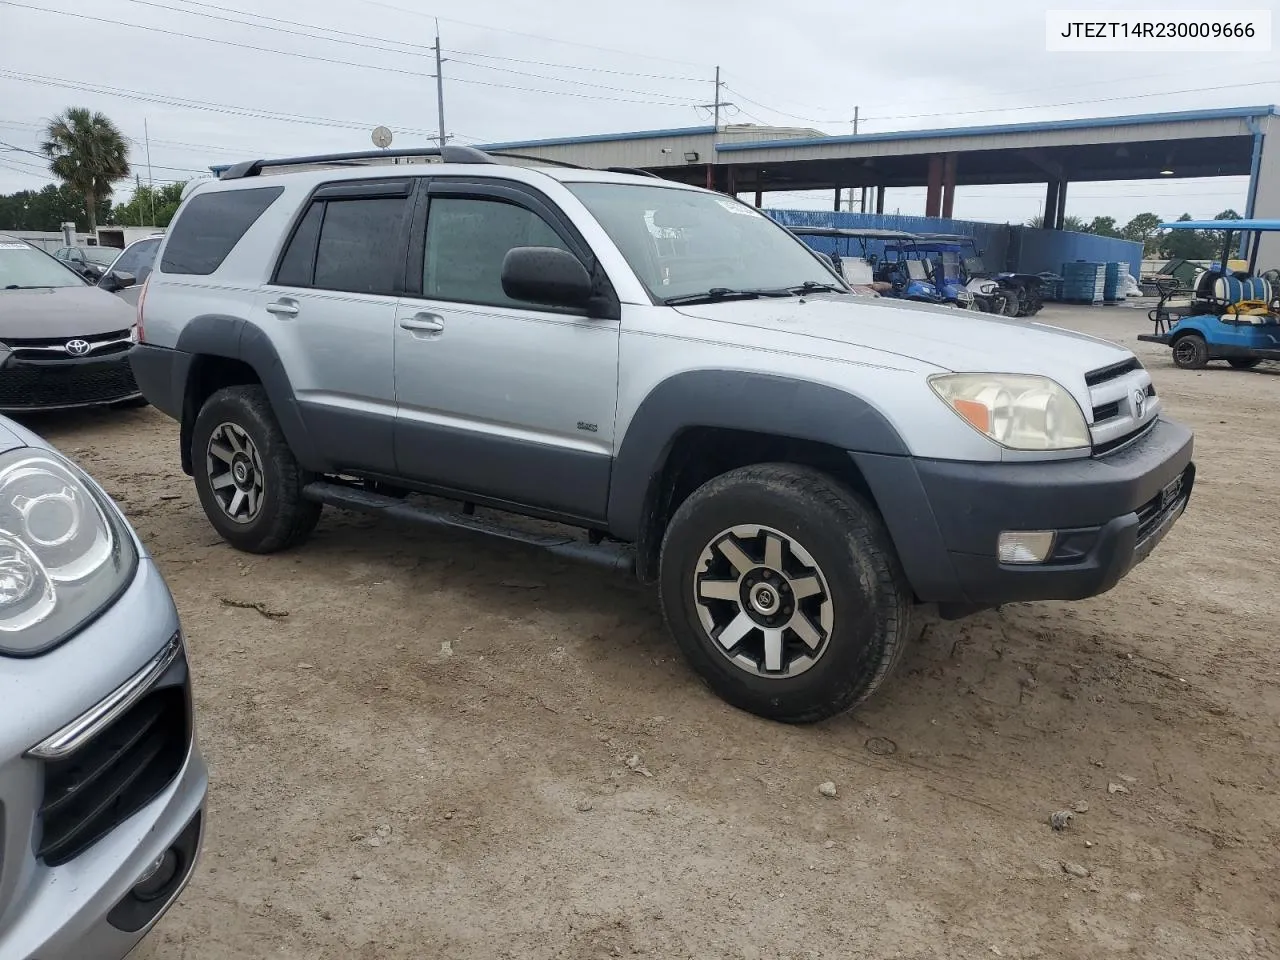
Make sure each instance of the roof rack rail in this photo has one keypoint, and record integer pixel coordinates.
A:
(549, 162)
(633, 170)
(450, 153)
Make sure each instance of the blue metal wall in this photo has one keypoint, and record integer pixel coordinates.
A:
(1036, 251)
(992, 238)
(1003, 247)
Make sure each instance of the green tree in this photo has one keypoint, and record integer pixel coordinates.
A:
(1074, 224)
(88, 153)
(148, 206)
(1105, 227)
(1187, 244)
(1144, 229)
(46, 209)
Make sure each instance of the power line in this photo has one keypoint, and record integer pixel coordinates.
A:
(207, 105)
(455, 58)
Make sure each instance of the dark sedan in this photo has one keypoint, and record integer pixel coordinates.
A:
(63, 342)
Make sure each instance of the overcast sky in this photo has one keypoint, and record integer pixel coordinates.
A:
(525, 70)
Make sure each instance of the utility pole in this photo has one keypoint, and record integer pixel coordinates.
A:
(855, 121)
(151, 186)
(717, 104)
(442, 138)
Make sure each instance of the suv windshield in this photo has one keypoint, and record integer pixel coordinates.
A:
(24, 267)
(685, 244)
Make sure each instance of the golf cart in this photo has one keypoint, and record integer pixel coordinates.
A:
(1020, 294)
(915, 273)
(856, 266)
(1229, 315)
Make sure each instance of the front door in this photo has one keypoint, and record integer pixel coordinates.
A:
(495, 397)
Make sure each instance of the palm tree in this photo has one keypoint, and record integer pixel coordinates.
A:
(88, 153)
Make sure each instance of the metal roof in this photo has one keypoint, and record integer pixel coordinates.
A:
(1234, 225)
(1184, 116)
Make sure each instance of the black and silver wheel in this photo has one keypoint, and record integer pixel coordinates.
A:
(1190, 352)
(783, 590)
(249, 483)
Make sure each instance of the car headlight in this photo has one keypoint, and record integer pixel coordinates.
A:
(65, 552)
(1018, 412)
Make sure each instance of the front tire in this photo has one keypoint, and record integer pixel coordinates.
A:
(783, 590)
(248, 481)
(1190, 352)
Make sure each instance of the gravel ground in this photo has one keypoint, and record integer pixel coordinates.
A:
(422, 746)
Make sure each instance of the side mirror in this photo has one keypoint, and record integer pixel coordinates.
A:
(115, 281)
(546, 275)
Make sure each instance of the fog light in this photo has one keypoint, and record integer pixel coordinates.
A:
(1025, 546)
(156, 879)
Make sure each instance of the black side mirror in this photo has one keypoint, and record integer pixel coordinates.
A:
(546, 275)
(115, 281)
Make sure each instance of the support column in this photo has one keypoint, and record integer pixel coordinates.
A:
(1050, 205)
(949, 185)
(836, 206)
(1060, 219)
(711, 176)
(879, 199)
(933, 198)
(759, 199)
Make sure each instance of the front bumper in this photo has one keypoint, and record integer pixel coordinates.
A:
(65, 383)
(83, 817)
(1108, 512)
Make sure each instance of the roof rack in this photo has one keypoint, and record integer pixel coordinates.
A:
(447, 154)
(633, 170)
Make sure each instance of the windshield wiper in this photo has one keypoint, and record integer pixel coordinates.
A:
(723, 293)
(812, 286)
(18, 286)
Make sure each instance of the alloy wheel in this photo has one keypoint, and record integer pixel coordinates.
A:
(235, 472)
(763, 601)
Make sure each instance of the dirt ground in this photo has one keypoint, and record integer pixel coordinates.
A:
(419, 746)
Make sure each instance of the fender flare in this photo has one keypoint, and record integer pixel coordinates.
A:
(734, 400)
(217, 335)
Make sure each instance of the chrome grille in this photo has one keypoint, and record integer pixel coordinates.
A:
(1123, 404)
(52, 348)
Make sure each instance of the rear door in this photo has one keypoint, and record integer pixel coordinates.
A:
(331, 310)
(496, 397)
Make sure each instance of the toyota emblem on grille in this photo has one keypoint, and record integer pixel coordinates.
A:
(78, 348)
(1140, 402)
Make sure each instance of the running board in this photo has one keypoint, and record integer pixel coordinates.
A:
(618, 557)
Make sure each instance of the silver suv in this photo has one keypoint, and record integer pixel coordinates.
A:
(664, 368)
(102, 787)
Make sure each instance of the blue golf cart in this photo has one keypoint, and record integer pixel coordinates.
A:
(855, 253)
(924, 274)
(1228, 315)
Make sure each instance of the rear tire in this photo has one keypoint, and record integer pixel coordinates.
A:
(784, 592)
(1244, 363)
(248, 481)
(1012, 302)
(1190, 352)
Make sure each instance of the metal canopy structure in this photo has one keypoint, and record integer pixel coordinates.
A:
(745, 159)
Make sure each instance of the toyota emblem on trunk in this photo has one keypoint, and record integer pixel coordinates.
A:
(77, 348)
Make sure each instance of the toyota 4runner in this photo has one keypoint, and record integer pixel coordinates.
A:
(664, 368)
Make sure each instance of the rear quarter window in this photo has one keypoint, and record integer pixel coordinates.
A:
(211, 226)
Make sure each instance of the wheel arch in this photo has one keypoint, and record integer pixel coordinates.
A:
(700, 424)
(228, 351)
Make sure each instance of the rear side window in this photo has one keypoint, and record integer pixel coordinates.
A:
(211, 226)
(349, 245)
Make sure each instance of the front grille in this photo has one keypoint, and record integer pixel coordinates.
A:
(1106, 411)
(1113, 372)
(1110, 446)
(125, 767)
(45, 348)
(31, 385)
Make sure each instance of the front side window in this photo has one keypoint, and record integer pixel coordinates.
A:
(467, 240)
(23, 267)
(685, 243)
(138, 259)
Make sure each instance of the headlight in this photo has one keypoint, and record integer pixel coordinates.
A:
(65, 552)
(1018, 412)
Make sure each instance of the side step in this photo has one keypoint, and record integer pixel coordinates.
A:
(619, 557)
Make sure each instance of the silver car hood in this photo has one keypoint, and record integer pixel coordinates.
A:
(950, 339)
(61, 312)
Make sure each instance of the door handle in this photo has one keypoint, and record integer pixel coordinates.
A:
(283, 308)
(428, 322)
